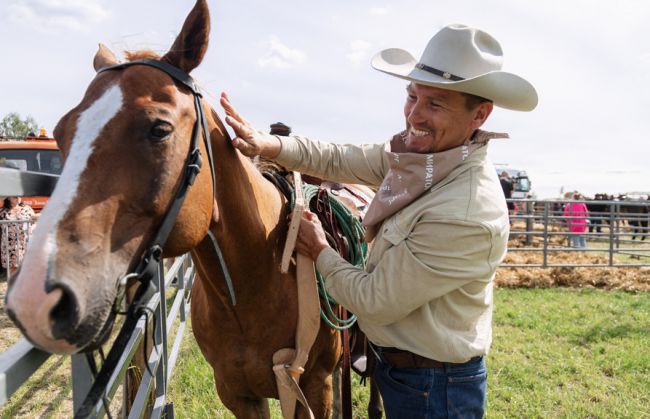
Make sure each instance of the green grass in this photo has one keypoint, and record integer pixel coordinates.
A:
(569, 353)
(558, 353)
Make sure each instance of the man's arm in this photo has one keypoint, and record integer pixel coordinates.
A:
(435, 259)
(340, 163)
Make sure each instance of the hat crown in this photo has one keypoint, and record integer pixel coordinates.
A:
(463, 51)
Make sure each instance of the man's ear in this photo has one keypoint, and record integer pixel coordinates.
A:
(481, 114)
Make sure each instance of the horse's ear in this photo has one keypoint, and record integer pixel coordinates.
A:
(104, 58)
(192, 43)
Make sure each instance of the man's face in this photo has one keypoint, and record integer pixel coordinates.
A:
(438, 119)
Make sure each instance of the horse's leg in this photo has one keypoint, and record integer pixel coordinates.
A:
(375, 407)
(243, 407)
(318, 392)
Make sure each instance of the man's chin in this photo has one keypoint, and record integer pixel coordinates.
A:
(420, 145)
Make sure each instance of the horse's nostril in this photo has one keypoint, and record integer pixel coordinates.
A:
(65, 314)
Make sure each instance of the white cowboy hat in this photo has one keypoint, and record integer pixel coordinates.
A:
(464, 59)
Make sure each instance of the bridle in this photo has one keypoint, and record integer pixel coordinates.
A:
(151, 257)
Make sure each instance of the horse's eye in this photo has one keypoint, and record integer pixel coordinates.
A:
(160, 131)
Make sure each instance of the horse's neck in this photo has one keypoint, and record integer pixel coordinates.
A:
(249, 207)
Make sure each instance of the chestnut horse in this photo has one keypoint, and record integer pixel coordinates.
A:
(124, 147)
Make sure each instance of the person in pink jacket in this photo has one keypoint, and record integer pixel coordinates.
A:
(577, 221)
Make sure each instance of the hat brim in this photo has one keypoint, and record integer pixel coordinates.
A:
(505, 89)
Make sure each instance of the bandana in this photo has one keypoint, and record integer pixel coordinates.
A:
(412, 174)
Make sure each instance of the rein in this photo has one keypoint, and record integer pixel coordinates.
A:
(151, 258)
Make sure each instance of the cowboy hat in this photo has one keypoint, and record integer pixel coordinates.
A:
(463, 59)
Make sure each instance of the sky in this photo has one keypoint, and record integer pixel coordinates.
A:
(307, 64)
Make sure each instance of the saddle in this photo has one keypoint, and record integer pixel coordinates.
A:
(336, 205)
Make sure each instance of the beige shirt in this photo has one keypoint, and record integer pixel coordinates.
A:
(427, 286)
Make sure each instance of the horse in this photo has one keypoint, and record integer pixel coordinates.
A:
(598, 211)
(637, 212)
(125, 146)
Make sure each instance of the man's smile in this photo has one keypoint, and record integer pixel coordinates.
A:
(419, 133)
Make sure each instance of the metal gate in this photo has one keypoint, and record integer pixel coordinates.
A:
(617, 231)
(22, 360)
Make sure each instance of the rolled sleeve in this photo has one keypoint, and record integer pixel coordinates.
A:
(434, 259)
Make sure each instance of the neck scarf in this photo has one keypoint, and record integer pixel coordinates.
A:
(412, 174)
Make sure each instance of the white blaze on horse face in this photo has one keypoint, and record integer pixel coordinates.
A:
(89, 125)
(28, 298)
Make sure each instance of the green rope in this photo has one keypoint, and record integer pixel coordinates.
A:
(357, 254)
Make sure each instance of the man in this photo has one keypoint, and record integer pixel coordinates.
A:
(439, 222)
(507, 186)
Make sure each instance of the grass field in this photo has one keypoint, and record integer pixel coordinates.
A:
(560, 353)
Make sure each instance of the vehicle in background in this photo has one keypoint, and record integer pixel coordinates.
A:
(521, 184)
(34, 153)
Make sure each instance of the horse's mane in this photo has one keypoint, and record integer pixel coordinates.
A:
(145, 54)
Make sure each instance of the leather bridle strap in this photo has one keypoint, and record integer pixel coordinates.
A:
(147, 268)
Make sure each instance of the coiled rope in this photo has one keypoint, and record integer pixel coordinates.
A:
(357, 252)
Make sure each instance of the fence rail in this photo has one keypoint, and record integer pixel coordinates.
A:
(616, 230)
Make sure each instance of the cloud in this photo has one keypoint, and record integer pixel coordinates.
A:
(76, 15)
(379, 11)
(358, 53)
(280, 56)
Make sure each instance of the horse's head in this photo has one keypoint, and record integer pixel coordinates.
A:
(125, 147)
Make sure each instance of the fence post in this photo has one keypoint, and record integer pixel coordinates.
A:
(612, 208)
(82, 380)
(160, 340)
(545, 254)
(529, 222)
(180, 285)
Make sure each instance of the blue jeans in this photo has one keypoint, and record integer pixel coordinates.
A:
(579, 241)
(455, 391)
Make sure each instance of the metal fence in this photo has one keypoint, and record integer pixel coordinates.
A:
(617, 232)
(20, 361)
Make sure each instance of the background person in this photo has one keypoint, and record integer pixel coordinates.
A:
(577, 221)
(439, 222)
(507, 185)
(13, 247)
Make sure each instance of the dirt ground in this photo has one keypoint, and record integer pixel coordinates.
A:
(615, 278)
(9, 334)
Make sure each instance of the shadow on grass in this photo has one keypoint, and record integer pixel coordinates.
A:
(604, 332)
(60, 397)
(54, 400)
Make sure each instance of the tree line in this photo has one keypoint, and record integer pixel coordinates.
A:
(13, 125)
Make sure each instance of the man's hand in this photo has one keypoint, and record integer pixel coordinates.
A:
(311, 237)
(248, 140)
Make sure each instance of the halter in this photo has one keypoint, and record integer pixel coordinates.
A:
(152, 255)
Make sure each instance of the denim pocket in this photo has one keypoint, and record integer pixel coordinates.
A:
(410, 380)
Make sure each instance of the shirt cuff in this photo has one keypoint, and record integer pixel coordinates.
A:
(327, 260)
